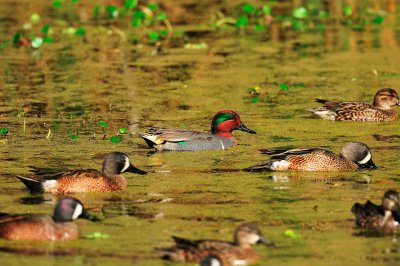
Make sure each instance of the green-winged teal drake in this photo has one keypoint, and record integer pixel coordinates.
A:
(43, 227)
(384, 217)
(379, 111)
(84, 180)
(354, 155)
(220, 138)
(240, 249)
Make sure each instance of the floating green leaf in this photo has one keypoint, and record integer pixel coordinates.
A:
(152, 7)
(115, 139)
(181, 142)
(74, 1)
(45, 29)
(47, 39)
(242, 21)
(153, 36)
(80, 31)
(291, 234)
(35, 17)
(163, 32)
(57, 3)
(3, 45)
(248, 8)
(130, 4)
(300, 12)
(4, 131)
(74, 136)
(102, 124)
(347, 10)
(112, 11)
(122, 130)
(96, 11)
(283, 86)
(37, 42)
(161, 16)
(259, 27)
(138, 16)
(255, 99)
(378, 20)
(71, 116)
(97, 235)
(267, 9)
(16, 38)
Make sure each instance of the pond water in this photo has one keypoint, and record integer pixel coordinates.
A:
(52, 99)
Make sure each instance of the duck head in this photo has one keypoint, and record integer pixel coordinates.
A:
(358, 153)
(69, 209)
(225, 121)
(248, 234)
(116, 163)
(385, 98)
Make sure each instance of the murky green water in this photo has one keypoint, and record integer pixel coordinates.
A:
(70, 85)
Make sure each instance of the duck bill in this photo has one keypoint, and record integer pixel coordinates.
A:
(266, 242)
(242, 127)
(86, 215)
(133, 169)
(368, 165)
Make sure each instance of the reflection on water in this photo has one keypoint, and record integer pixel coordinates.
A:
(53, 98)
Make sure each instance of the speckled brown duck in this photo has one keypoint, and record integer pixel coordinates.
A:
(384, 217)
(229, 253)
(43, 227)
(379, 111)
(84, 180)
(220, 137)
(354, 155)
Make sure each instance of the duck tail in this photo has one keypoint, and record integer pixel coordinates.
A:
(363, 211)
(34, 186)
(170, 253)
(321, 101)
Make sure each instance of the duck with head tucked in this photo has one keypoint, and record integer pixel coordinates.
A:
(354, 155)
(379, 111)
(43, 227)
(220, 138)
(230, 253)
(83, 180)
(384, 217)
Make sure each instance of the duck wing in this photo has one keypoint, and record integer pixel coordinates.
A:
(161, 135)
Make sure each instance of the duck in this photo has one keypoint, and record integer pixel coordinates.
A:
(230, 253)
(384, 217)
(82, 180)
(379, 111)
(220, 137)
(353, 156)
(59, 227)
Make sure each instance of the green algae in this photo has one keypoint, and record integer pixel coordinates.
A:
(202, 194)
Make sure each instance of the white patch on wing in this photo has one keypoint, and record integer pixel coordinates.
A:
(127, 164)
(366, 159)
(50, 186)
(280, 165)
(239, 262)
(78, 211)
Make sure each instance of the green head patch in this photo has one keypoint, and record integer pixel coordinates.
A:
(222, 117)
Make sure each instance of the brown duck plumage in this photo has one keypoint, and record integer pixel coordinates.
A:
(240, 249)
(354, 155)
(85, 180)
(379, 111)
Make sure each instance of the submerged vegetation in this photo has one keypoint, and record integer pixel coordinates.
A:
(140, 22)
